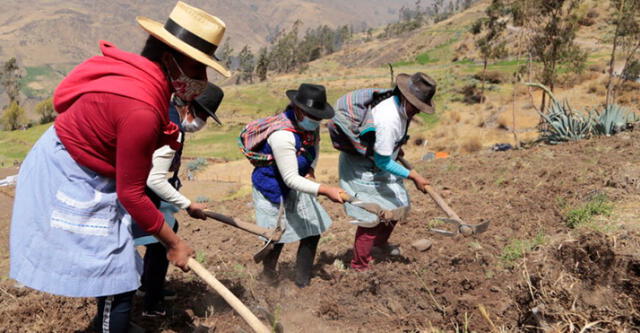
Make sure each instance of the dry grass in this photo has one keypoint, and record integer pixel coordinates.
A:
(471, 144)
(454, 116)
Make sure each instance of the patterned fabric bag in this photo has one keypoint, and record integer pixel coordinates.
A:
(352, 129)
(256, 133)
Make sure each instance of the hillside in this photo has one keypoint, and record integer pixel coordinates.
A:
(26, 26)
(457, 127)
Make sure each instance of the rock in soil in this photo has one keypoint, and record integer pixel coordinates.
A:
(422, 244)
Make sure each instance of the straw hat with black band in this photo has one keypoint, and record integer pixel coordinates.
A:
(418, 89)
(192, 31)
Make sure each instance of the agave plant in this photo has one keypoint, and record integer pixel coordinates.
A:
(612, 119)
(563, 123)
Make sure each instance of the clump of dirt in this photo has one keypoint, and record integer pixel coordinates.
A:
(581, 282)
(590, 258)
(626, 177)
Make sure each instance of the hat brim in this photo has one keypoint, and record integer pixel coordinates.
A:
(207, 111)
(402, 80)
(326, 113)
(157, 30)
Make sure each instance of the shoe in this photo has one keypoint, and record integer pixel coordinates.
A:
(168, 295)
(391, 250)
(154, 311)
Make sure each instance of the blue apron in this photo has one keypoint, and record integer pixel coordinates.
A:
(69, 234)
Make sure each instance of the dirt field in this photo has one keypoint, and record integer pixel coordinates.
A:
(530, 272)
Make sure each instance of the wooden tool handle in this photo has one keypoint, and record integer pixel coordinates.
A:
(441, 203)
(232, 300)
(346, 197)
(249, 227)
(434, 195)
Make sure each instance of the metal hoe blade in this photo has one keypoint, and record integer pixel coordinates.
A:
(461, 227)
(275, 236)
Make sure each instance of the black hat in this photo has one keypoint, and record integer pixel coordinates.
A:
(312, 99)
(418, 89)
(209, 101)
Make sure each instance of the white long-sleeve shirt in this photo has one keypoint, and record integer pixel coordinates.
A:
(283, 145)
(157, 180)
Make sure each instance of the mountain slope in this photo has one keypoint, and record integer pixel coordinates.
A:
(65, 32)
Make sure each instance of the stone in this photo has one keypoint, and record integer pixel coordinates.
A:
(422, 245)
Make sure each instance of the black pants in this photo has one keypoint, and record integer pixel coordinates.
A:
(155, 272)
(114, 313)
(304, 259)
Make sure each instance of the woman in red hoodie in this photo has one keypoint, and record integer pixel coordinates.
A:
(83, 181)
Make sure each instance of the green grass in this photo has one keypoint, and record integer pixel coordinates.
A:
(518, 248)
(14, 145)
(430, 120)
(36, 74)
(201, 257)
(242, 192)
(215, 141)
(440, 53)
(597, 206)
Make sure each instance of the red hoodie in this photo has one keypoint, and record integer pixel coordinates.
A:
(113, 116)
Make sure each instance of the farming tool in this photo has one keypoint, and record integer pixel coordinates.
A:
(231, 299)
(272, 235)
(460, 226)
(278, 231)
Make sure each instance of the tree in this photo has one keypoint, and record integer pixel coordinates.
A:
(553, 26)
(11, 79)
(13, 117)
(46, 111)
(247, 64)
(284, 52)
(226, 52)
(262, 67)
(492, 44)
(626, 39)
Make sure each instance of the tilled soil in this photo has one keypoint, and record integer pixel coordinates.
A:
(528, 272)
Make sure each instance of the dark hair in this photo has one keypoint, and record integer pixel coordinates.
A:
(378, 97)
(154, 49)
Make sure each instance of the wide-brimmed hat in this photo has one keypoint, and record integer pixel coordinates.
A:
(209, 101)
(418, 89)
(312, 99)
(192, 31)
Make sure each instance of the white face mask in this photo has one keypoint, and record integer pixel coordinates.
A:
(192, 126)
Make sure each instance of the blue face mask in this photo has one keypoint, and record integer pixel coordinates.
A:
(308, 124)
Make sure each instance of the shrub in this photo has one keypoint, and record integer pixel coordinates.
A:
(493, 77)
(471, 94)
(196, 164)
(563, 124)
(631, 71)
(13, 117)
(612, 119)
(45, 110)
